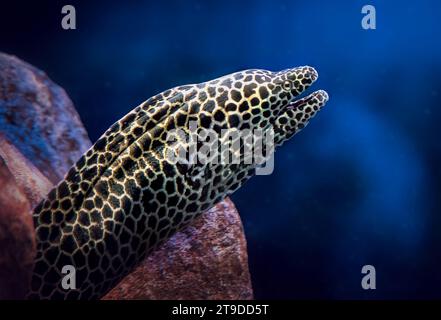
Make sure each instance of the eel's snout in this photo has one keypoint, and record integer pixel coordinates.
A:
(305, 75)
(299, 79)
(303, 78)
(311, 73)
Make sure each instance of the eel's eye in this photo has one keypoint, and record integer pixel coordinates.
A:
(287, 85)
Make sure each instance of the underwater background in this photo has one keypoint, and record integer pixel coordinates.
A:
(360, 185)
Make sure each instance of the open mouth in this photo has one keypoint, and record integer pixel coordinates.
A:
(317, 98)
(297, 113)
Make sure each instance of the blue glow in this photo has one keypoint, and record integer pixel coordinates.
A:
(360, 185)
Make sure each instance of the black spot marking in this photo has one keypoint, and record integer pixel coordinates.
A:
(157, 183)
(46, 217)
(96, 232)
(129, 165)
(119, 174)
(254, 101)
(205, 121)
(244, 106)
(136, 151)
(68, 244)
(83, 218)
(263, 92)
(209, 106)
(195, 107)
(236, 96)
(249, 89)
(66, 204)
(202, 96)
(219, 115)
(211, 91)
(231, 107)
(111, 244)
(63, 190)
(115, 188)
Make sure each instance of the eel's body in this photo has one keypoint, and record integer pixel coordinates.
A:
(124, 196)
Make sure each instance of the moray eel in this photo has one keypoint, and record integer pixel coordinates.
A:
(124, 197)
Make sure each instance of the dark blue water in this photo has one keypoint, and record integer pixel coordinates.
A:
(360, 185)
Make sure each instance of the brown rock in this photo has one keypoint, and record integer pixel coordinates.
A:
(39, 119)
(41, 136)
(17, 245)
(207, 260)
(34, 184)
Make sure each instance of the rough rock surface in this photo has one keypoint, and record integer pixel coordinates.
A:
(39, 119)
(207, 260)
(16, 237)
(27, 177)
(41, 136)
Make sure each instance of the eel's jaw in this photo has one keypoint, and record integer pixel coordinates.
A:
(317, 98)
(297, 114)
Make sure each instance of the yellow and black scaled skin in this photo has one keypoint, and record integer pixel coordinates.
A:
(124, 197)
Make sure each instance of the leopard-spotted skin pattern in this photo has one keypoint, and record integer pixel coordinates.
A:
(124, 197)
